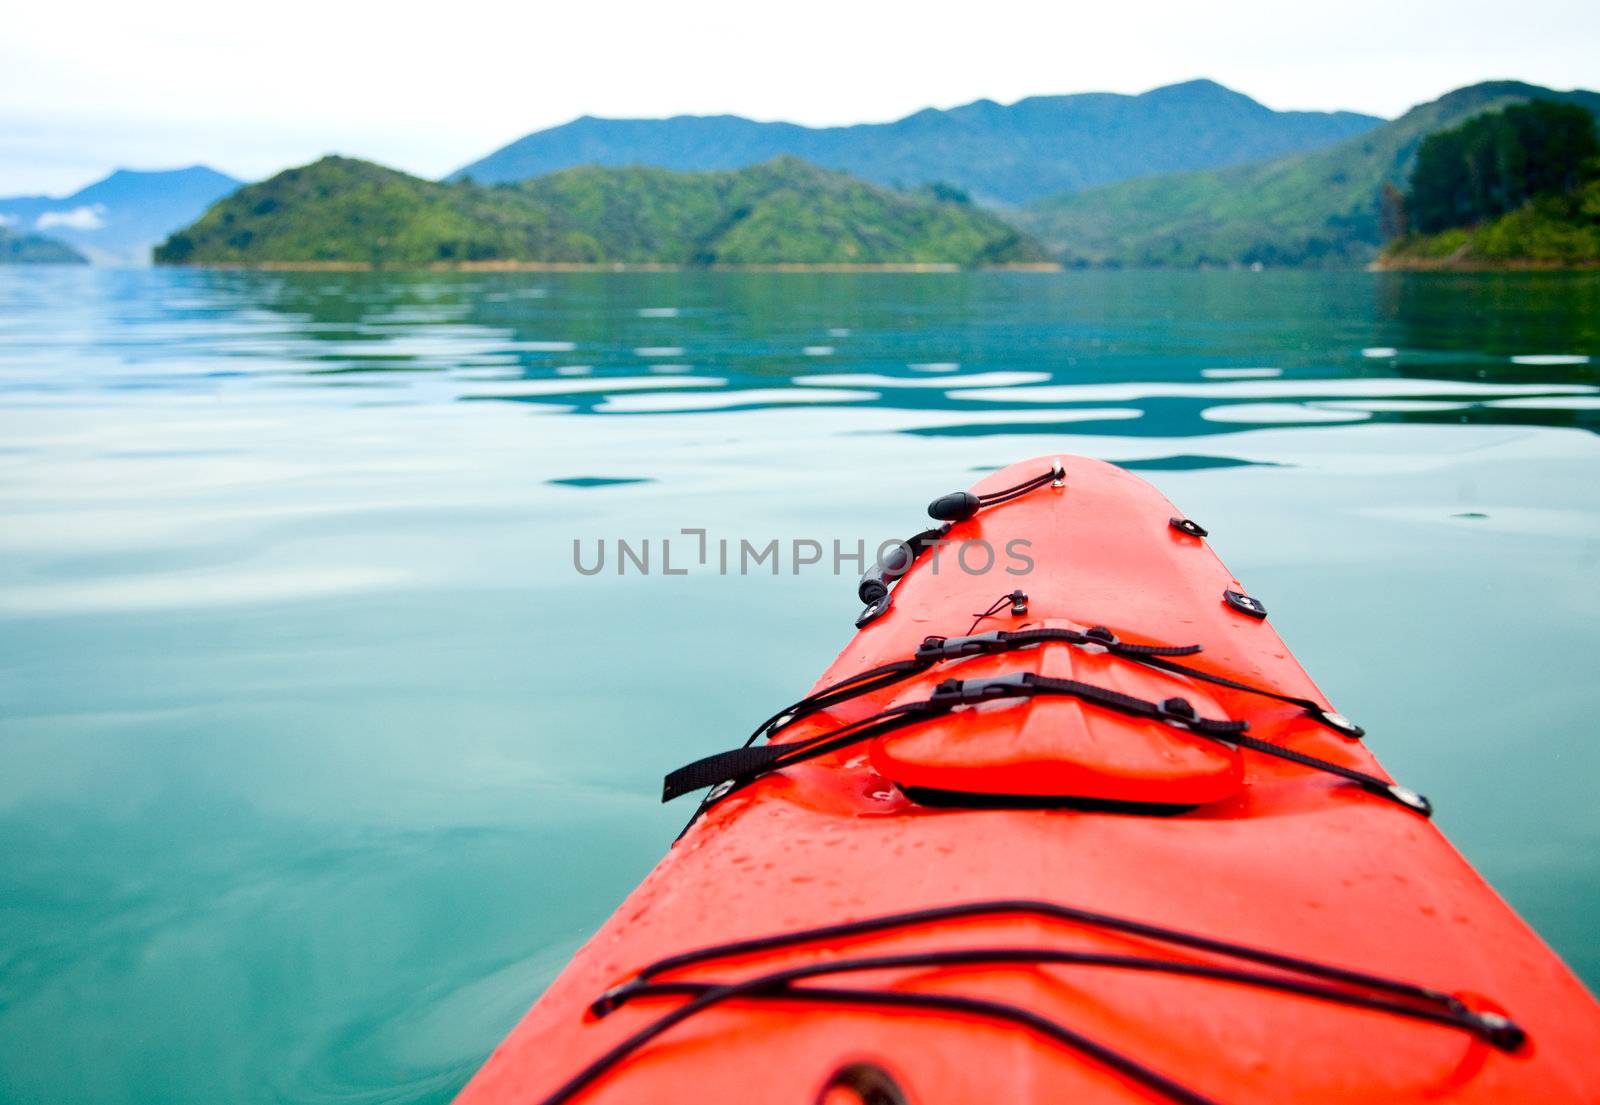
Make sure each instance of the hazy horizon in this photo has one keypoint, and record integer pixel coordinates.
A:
(98, 87)
(96, 176)
(202, 162)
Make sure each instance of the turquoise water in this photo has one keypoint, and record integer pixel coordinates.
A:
(320, 756)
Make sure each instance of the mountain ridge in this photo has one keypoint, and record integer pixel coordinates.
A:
(1001, 154)
(1320, 207)
(116, 219)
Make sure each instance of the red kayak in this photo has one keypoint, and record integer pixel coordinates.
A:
(1065, 822)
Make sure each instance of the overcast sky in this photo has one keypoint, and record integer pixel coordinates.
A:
(250, 89)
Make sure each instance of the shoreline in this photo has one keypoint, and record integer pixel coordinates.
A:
(1476, 264)
(615, 266)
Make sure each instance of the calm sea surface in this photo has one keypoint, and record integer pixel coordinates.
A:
(318, 757)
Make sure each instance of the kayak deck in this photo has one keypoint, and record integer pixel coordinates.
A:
(1063, 800)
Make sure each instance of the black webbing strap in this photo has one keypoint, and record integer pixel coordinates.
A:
(1155, 656)
(934, 650)
(1005, 640)
(739, 766)
(1172, 711)
(851, 686)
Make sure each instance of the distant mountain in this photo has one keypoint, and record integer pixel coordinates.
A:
(36, 249)
(1000, 154)
(785, 211)
(1318, 208)
(117, 220)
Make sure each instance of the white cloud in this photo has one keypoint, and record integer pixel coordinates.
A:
(88, 217)
(7, 220)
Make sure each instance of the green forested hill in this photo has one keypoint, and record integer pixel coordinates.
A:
(1512, 188)
(784, 211)
(1561, 231)
(1314, 208)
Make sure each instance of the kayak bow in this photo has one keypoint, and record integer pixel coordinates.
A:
(1086, 833)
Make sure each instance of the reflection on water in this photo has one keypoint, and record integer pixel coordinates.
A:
(1193, 354)
(321, 757)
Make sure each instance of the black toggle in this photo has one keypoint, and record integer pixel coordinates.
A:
(957, 506)
(874, 586)
(1183, 525)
